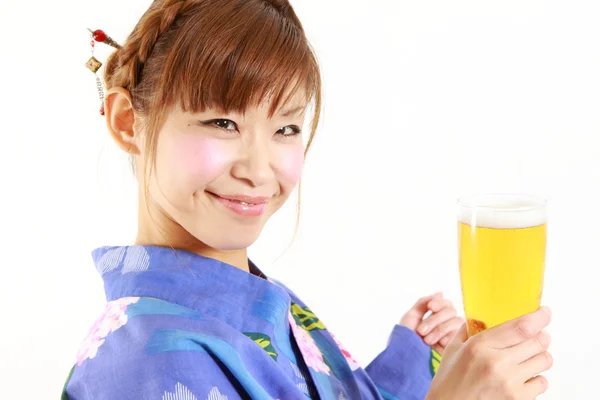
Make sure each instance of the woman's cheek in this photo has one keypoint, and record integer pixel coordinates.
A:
(291, 164)
(201, 158)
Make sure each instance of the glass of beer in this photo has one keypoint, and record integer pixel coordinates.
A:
(502, 251)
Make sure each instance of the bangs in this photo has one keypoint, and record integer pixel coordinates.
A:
(247, 54)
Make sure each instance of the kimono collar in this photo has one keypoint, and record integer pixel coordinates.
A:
(190, 280)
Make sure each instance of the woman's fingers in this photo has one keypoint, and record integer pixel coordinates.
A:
(530, 348)
(448, 338)
(438, 304)
(415, 315)
(446, 328)
(535, 387)
(534, 366)
(517, 331)
(436, 319)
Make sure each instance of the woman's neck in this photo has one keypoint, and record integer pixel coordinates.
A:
(173, 235)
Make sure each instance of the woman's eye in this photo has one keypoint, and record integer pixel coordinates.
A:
(225, 124)
(290, 130)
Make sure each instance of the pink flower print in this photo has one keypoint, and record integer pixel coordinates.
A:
(310, 352)
(113, 318)
(351, 361)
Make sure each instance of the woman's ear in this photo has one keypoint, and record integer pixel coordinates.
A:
(120, 119)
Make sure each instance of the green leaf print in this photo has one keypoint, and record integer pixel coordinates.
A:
(306, 318)
(436, 360)
(264, 342)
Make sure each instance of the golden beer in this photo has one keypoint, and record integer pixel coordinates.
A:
(502, 249)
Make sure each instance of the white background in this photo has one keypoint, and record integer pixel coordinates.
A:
(425, 101)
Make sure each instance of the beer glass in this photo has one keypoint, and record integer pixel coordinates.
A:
(502, 251)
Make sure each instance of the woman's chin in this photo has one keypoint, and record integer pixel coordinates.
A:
(230, 241)
(233, 244)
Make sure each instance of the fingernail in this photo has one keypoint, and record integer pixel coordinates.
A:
(423, 329)
(547, 310)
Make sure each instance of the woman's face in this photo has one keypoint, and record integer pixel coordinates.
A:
(220, 177)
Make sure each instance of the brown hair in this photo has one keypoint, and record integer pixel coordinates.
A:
(224, 54)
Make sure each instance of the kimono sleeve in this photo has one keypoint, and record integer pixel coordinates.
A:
(405, 368)
(403, 371)
(157, 351)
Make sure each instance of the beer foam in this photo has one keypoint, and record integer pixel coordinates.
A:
(503, 213)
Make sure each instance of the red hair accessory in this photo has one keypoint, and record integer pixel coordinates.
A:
(94, 65)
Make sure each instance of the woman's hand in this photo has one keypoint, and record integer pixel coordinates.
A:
(500, 363)
(439, 327)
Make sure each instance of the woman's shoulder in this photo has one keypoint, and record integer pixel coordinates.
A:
(142, 346)
(123, 326)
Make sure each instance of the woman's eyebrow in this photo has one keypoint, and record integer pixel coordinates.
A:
(292, 111)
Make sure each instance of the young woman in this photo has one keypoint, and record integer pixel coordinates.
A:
(209, 98)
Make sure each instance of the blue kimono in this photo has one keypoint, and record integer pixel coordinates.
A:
(179, 326)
